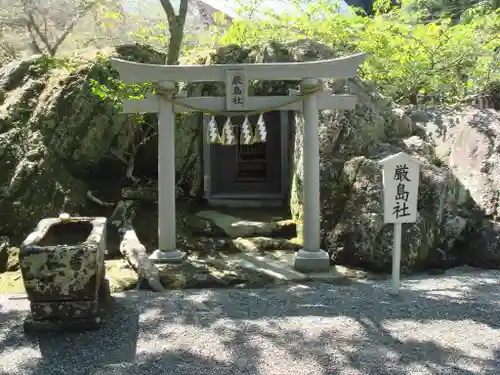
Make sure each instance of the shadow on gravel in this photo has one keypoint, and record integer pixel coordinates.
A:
(368, 345)
(71, 353)
(318, 329)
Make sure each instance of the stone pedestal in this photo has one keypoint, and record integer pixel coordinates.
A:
(73, 324)
(62, 263)
(166, 256)
(312, 261)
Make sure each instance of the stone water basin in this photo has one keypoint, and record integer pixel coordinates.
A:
(62, 263)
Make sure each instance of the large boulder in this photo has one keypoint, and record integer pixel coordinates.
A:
(360, 237)
(467, 140)
(481, 247)
(58, 138)
(351, 145)
(34, 181)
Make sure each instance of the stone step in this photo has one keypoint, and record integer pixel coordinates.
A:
(279, 266)
(235, 227)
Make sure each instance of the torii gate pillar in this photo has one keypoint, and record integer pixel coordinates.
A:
(167, 238)
(311, 257)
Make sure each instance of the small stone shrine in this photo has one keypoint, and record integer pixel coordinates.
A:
(62, 263)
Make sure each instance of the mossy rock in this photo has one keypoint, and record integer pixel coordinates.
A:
(9, 255)
(59, 138)
(285, 228)
(11, 282)
(198, 226)
(210, 273)
(195, 272)
(9, 259)
(120, 275)
(204, 245)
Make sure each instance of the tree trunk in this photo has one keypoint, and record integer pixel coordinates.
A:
(174, 46)
(176, 27)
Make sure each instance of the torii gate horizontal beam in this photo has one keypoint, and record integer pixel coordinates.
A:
(343, 67)
(325, 101)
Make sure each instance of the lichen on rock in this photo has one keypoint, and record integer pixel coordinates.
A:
(34, 183)
(9, 256)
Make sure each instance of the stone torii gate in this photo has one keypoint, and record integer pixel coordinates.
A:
(310, 99)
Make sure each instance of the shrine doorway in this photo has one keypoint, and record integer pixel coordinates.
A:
(257, 172)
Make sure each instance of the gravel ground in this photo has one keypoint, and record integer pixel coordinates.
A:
(439, 325)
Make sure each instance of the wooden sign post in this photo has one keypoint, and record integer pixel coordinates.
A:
(400, 176)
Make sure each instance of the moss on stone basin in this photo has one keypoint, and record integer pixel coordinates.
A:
(121, 277)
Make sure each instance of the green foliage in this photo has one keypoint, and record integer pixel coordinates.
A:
(109, 88)
(46, 62)
(412, 57)
(154, 35)
(438, 61)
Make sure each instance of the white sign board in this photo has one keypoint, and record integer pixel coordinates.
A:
(400, 175)
(236, 90)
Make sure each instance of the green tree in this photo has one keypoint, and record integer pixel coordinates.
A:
(438, 61)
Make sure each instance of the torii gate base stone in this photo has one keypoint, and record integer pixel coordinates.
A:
(309, 99)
